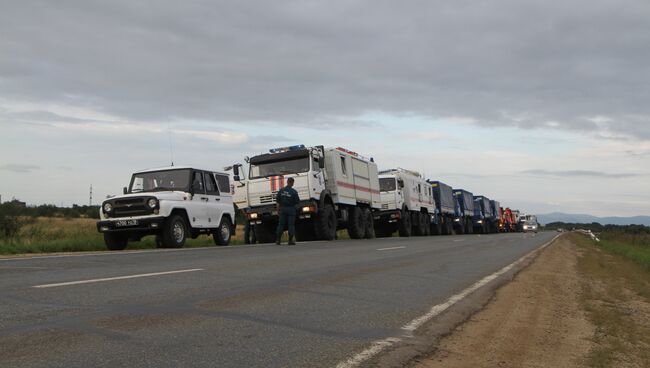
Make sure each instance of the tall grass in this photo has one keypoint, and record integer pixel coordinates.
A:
(633, 246)
(52, 234)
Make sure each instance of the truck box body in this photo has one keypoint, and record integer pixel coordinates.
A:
(444, 197)
(465, 201)
(482, 208)
(351, 179)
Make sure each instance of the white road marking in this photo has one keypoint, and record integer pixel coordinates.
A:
(459, 240)
(378, 346)
(391, 248)
(115, 278)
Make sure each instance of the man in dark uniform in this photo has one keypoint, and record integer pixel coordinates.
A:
(287, 199)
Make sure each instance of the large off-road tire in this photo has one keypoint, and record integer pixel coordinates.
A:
(222, 235)
(423, 227)
(175, 232)
(115, 241)
(370, 224)
(405, 227)
(250, 236)
(356, 223)
(326, 223)
(450, 227)
(265, 233)
(427, 225)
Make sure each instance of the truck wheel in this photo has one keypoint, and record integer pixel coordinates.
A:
(405, 225)
(115, 241)
(436, 229)
(469, 227)
(223, 233)
(326, 223)
(450, 227)
(370, 224)
(461, 227)
(175, 232)
(356, 223)
(424, 224)
(265, 233)
(427, 225)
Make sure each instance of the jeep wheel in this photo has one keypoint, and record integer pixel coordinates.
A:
(405, 224)
(370, 224)
(356, 223)
(175, 232)
(115, 241)
(326, 223)
(222, 235)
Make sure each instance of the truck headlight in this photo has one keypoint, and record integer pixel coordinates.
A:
(152, 203)
(480, 221)
(252, 216)
(108, 207)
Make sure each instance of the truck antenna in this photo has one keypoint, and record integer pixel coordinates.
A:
(171, 147)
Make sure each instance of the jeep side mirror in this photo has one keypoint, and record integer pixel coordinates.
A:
(124, 190)
(321, 162)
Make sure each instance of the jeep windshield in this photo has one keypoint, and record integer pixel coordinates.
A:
(155, 181)
(279, 164)
(387, 184)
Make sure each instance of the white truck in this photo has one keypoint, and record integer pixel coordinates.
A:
(407, 204)
(172, 203)
(338, 189)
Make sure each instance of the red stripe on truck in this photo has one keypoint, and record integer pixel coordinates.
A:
(357, 187)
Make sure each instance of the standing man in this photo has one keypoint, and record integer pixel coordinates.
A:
(287, 199)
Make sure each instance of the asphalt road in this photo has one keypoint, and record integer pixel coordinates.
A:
(312, 305)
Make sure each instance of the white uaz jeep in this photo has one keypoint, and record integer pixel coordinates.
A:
(172, 203)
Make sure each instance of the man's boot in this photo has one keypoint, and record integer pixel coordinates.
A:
(278, 241)
(291, 241)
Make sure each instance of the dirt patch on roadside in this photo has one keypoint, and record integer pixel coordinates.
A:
(535, 321)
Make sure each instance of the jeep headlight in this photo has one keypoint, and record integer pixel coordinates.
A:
(152, 203)
(108, 207)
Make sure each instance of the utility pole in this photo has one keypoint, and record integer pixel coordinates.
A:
(90, 200)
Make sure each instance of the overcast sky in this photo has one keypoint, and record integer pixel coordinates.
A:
(542, 105)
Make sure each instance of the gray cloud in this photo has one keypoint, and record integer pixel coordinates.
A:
(19, 168)
(580, 173)
(577, 66)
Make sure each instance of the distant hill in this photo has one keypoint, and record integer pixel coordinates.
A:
(587, 219)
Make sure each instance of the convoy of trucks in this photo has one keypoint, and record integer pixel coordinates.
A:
(339, 189)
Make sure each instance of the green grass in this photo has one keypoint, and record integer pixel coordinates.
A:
(615, 281)
(50, 235)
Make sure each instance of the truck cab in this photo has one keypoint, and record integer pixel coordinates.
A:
(171, 203)
(463, 221)
(407, 204)
(483, 215)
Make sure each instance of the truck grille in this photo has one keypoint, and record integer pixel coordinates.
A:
(268, 198)
(384, 206)
(128, 207)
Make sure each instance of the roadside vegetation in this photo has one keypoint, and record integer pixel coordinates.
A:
(616, 295)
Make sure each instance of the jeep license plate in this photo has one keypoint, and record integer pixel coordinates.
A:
(126, 223)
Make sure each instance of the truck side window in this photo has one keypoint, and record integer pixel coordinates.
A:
(344, 169)
(223, 182)
(211, 184)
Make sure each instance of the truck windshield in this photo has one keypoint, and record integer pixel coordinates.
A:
(387, 184)
(276, 168)
(160, 180)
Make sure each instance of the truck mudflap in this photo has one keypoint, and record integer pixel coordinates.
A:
(150, 224)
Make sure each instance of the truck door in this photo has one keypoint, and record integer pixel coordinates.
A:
(213, 205)
(197, 205)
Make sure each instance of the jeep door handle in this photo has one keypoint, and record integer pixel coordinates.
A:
(217, 199)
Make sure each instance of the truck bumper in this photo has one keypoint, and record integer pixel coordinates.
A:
(389, 216)
(149, 224)
(269, 214)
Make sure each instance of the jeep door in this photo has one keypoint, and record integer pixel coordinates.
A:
(197, 206)
(213, 204)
